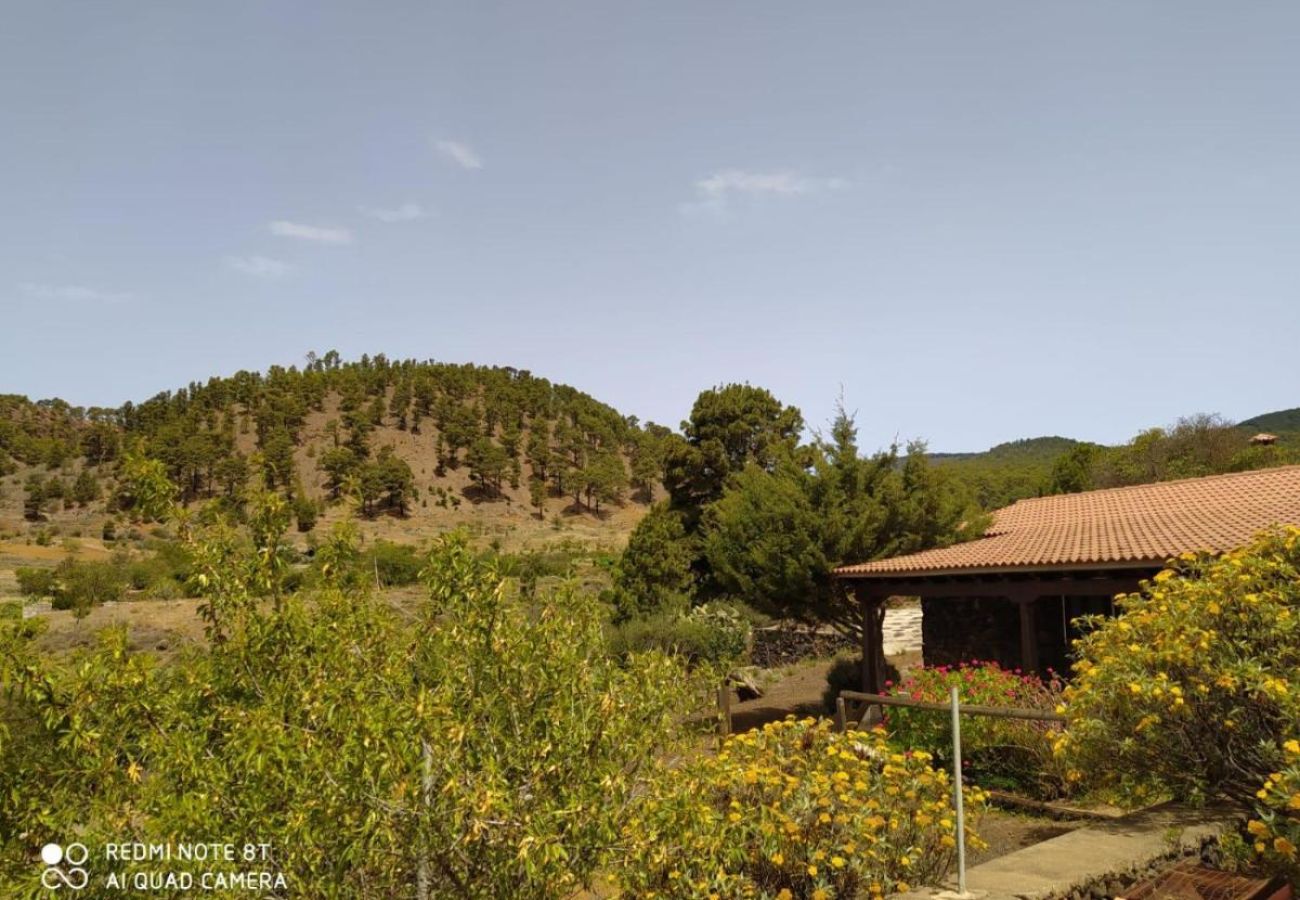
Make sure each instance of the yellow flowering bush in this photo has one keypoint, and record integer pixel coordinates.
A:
(796, 809)
(1275, 832)
(1195, 688)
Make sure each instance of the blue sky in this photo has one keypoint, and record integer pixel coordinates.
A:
(982, 220)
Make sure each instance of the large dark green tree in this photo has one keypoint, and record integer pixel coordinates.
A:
(774, 536)
(729, 428)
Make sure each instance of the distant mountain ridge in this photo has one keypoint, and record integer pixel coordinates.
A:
(1023, 450)
(1193, 446)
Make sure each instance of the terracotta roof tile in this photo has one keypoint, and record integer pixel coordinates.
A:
(1146, 523)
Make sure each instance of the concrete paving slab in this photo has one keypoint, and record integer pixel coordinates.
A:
(1098, 852)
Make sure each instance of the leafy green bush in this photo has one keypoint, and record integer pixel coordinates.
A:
(35, 582)
(393, 564)
(1009, 754)
(164, 589)
(708, 634)
(794, 810)
(845, 674)
(535, 740)
(11, 609)
(81, 585)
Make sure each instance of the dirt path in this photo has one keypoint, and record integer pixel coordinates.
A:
(798, 691)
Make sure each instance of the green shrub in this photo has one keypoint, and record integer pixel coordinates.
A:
(11, 609)
(538, 743)
(707, 634)
(393, 564)
(35, 582)
(81, 585)
(164, 589)
(306, 511)
(140, 573)
(296, 580)
(845, 674)
(175, 557)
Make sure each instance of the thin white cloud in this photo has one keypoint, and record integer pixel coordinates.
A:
(462, 155)
(714, 194)
(317, 233)
(258, 266)
(407, 212)
(72, 292)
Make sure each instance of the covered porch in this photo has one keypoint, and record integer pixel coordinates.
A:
(1019, 618)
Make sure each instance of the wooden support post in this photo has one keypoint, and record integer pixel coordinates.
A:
(872, 638)
(724, 713)
(1028, 635)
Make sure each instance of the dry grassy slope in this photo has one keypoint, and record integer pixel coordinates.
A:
(510, 519)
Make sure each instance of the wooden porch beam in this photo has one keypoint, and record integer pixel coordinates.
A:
(1039, 587)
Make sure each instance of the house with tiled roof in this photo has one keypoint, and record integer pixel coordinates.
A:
(1012, 595)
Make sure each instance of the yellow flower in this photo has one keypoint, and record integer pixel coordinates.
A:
(820, 894)
(812, 871)
(837, 861)
(1257, 828)
(1292, 747)
(777, 858)
(1284, 847)
(785, 894)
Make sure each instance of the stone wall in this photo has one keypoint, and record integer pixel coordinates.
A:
(787, 642)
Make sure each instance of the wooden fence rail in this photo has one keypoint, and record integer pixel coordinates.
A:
(867, 701)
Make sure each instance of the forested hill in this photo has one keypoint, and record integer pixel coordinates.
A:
(410, 440)
(1009, 471)
(421, 446)
(1280, 422)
